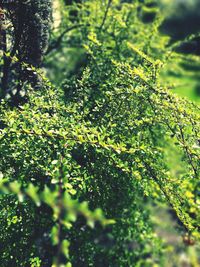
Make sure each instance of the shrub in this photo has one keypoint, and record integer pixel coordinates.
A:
(78, 163)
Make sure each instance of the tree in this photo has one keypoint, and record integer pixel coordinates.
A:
(26, 38)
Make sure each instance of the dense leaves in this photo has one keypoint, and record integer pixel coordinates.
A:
(80, 161)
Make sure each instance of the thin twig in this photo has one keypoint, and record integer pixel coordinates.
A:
(56, 43)
(105, 15)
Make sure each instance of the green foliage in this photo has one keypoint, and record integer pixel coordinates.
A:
(79, 162)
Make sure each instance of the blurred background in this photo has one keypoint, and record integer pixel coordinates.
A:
(182, 24)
